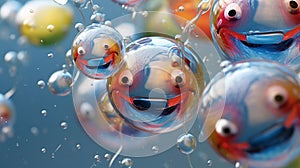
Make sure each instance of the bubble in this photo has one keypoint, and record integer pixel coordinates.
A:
(155, 148)
(44, 113)
(11, 57)
(251, 34)
(97, 18)
(186, 143)
(41, 84)
(127, 163)
(43, 150)
(64, 125)
(97, 158)
(107, 157)
(79, 27)
(151, 92)
(35, 21)
(60, 82)
(98, 51)
(252, 92)
(209, 163)
(9, 10)
(34, 130)
(78, 146)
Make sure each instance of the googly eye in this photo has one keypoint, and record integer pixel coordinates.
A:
(178, 78)
(277, 96)
(126, 78)
(292, 6)
(81, 51)
(233, 12)
(226, 128)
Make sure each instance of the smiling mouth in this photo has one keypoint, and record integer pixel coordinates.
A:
(269, 41)
(276, 135)
(100, 66)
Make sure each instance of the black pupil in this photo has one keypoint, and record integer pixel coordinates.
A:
(232, 13)
(226, 130)
(106, 46)
(279, 98)
(294, 4)
(125, 79)
(178, 79)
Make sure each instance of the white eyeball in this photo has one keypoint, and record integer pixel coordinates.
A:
(277, 96)
(292, 6)
(233, 12)
(178, 78)
(81, 51)
(226, 128)
(126, 78)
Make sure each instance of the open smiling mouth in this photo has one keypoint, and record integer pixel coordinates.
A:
(161, 105)
(270, 138)
(100, 63)
(269, 41)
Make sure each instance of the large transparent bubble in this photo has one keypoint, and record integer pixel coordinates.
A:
(98, 51)
(165, 89)
(259, 123)
(263, 29)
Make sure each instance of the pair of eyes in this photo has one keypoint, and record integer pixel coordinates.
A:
(81, 51)
(178, 78)
(234, 11)
(277, 97)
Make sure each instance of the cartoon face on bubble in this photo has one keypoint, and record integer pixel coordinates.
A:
(98, 51)
(259, 103)
(245, 29)
(156, 91)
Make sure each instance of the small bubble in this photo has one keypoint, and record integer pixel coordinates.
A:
(43, 150)
(79, 27)
(50, 28)
(64, 125)
(95, 8)
(209, 163)
(52, 155)
(237, 165)
(155, 148)
(78, 146)
(108, 23)
(181, 8)
(44, 113)
(127, 163)
(79, 3)
(97, 158)
(50, 55)
(107, 157)
(186, 143)
(34, 130)
(97, 17)
(17, 144)
(41, 84)
(11, 57)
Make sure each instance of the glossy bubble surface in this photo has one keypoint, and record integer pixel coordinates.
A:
(35, 17)
(156, 91)
(98, 51)
(9, 10)
(259, 122)
(128, 2)
(262, 29)
(60, 82)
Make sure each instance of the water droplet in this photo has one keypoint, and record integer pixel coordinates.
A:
(79, 27)
(181, 8)
(107, 157)
(44, 113)
(97, 158)
(209, 163)
(50, 55)
(108, 23)
(78, 146)
(155, 148)
(97, 17)
(50, 28)
(41, 84)
(34, 130)
(127, 163)
(186, 143)
(43, 150)
(237, 165)
(64, 125)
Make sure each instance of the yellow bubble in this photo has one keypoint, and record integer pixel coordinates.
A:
(38, 19)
